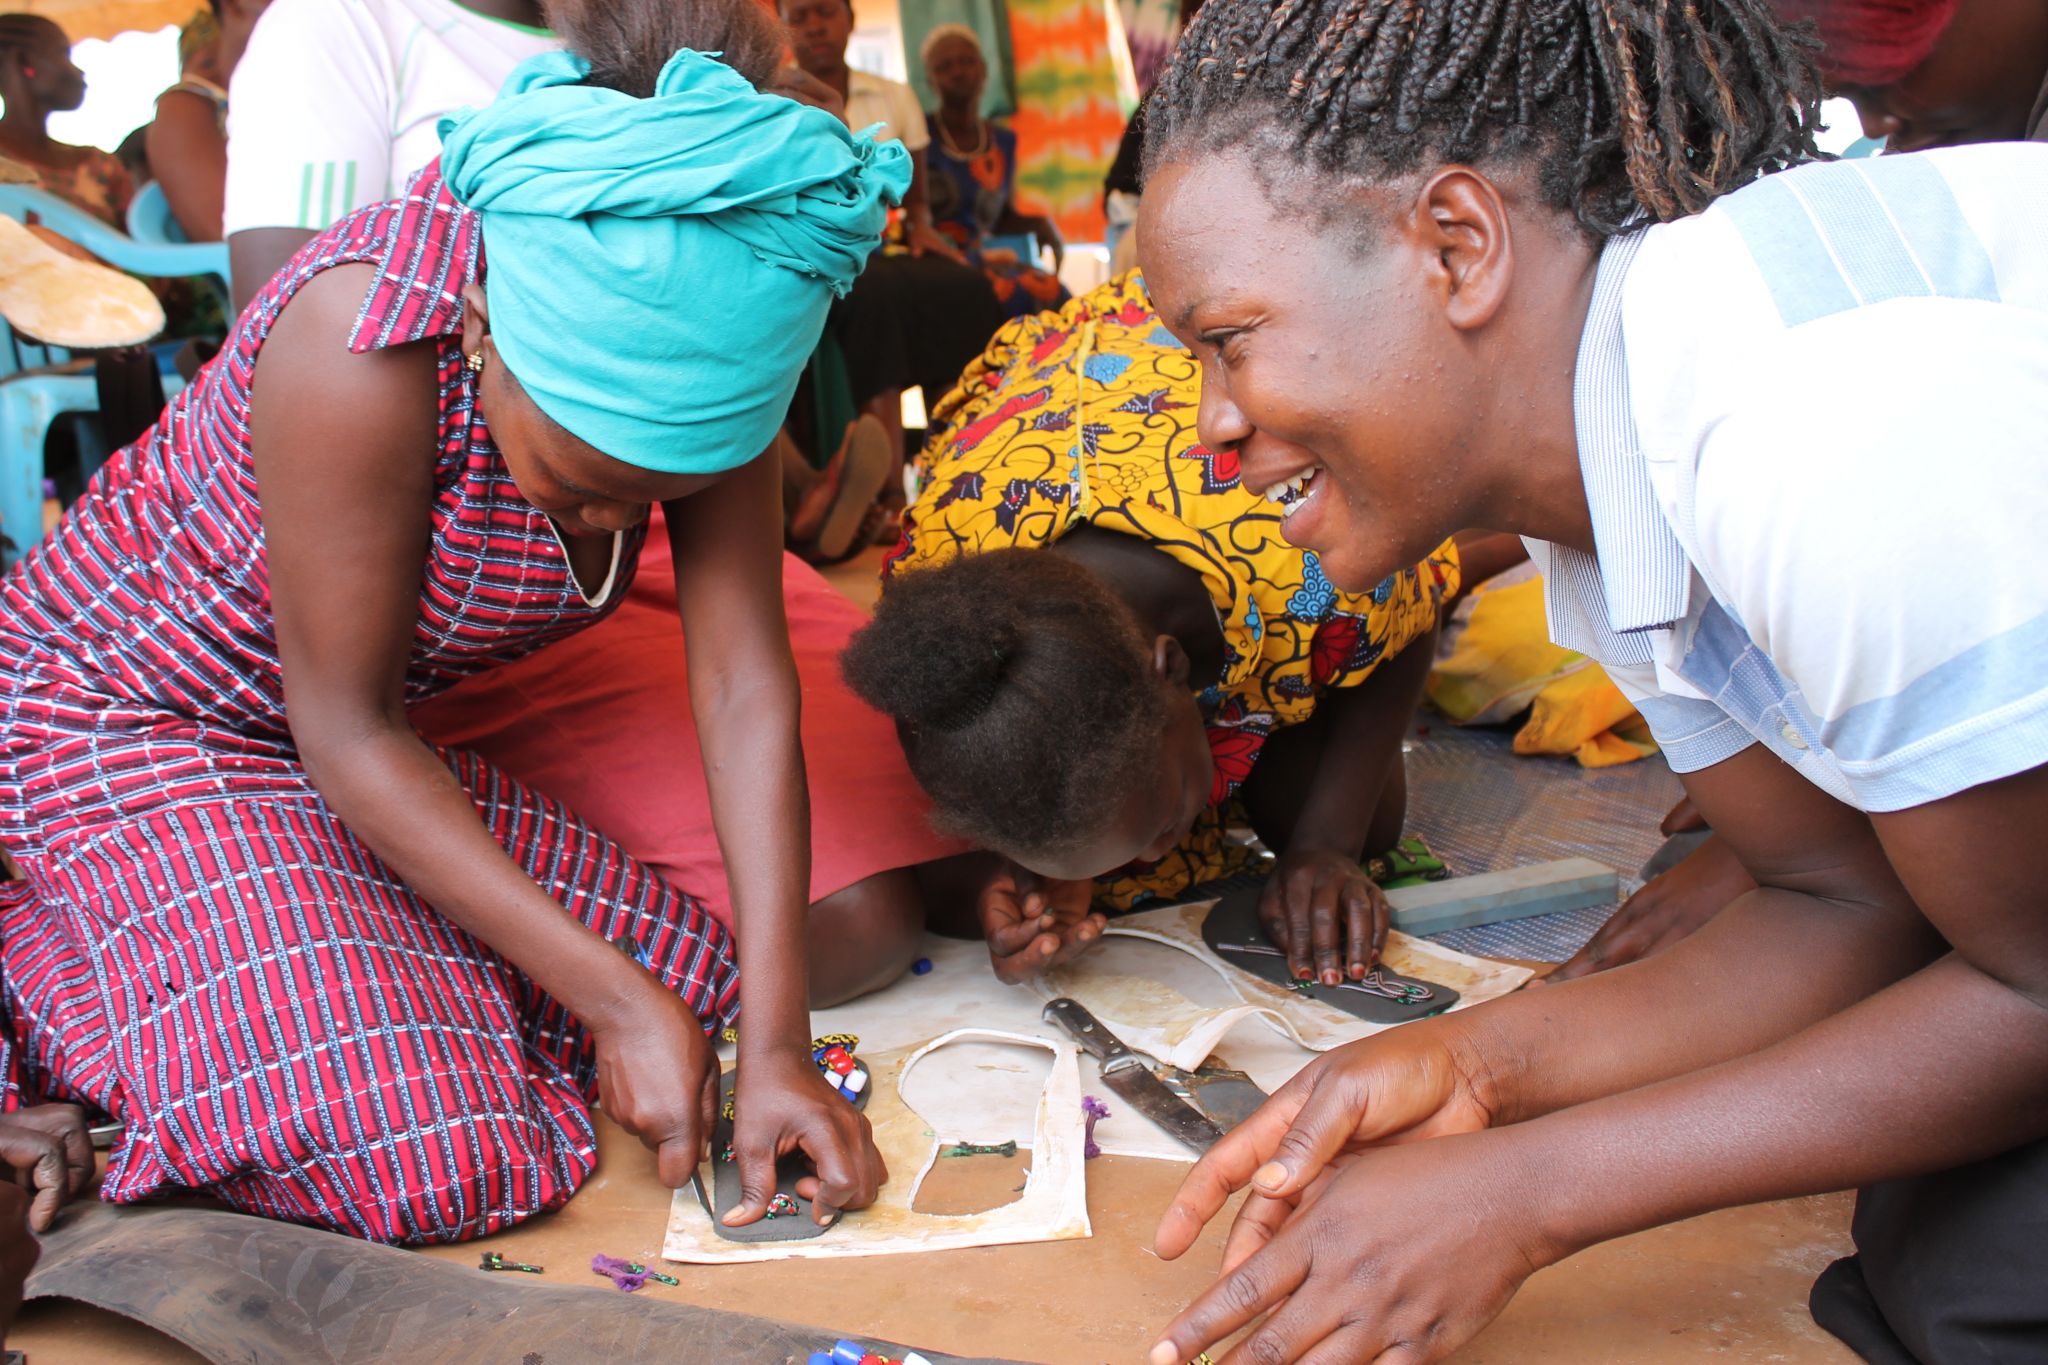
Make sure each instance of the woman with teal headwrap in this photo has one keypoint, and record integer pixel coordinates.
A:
(336, 995)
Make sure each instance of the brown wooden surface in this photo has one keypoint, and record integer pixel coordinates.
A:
(1729, 1286)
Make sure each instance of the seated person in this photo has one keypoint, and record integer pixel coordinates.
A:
(973, 164)
(187, 141)
(38, 79)
(1161, 666)
(917, 315)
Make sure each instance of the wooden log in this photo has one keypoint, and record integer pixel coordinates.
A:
(1494, 897)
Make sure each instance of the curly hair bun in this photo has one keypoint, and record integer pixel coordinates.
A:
(1023, 690)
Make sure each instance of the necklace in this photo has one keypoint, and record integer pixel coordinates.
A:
(955, 150)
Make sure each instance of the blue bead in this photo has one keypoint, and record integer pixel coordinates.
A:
(847, 1353)
(921, 966)
(820, 1358)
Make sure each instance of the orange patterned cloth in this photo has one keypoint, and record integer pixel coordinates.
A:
(1087, 416)
(1070, 111)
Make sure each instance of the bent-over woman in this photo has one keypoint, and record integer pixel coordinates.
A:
(317, 968)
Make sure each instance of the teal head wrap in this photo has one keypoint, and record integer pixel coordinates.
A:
(658, 269)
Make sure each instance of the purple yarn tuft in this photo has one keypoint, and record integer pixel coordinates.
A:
(1096, 1111)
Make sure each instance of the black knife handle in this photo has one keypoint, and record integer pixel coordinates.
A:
(1073, 1016)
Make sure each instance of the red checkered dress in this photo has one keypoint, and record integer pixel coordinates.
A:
(201, 948)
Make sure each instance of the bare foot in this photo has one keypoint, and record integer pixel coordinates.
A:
(868, 462)
(809, 513)
(1663, 912)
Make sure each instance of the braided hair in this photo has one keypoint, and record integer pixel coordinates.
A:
(1023, 691)
(1628, 107)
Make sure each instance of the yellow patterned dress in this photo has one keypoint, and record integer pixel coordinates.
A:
(1087, 416)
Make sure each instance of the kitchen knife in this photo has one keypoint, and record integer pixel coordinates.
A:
(1125, 1072)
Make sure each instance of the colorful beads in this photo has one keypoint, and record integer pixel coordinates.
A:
(836, 1063)
(781, 1206)
(853, 1353)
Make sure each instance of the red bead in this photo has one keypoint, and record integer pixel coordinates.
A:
(836, 1059)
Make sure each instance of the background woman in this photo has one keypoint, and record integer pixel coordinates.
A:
(316, 967)
(38, 79)
(973, 165)
(1153, 665)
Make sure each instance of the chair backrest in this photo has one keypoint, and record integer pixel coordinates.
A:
(161, 259)
(150, 218)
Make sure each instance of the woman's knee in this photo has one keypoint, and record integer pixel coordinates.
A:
(865, 936)
(449, 1180)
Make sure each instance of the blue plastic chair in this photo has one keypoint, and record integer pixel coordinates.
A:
(39, 384)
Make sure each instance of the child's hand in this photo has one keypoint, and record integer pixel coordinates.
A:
(1033, 922)
(1321, 909)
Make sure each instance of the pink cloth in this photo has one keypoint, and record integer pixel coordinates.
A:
(601, 722)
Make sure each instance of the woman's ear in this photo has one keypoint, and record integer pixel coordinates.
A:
(1170, 661)
(476, 319)
(1463, 218)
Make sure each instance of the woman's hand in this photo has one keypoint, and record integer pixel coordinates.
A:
(658, 1076)
(1421, 1080)
(1033, 923)
(1321, 909)
(48, 1148)
(784, 1105)
(1403, 1255)
(924, 239)
(1671, 907)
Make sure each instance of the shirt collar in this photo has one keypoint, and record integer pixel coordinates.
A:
(1603, 605)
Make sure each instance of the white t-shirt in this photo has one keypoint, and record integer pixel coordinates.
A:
(337, 102)
(1813, 426)
(872, 99)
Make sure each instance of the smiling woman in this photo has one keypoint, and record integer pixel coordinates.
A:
(1526, 266)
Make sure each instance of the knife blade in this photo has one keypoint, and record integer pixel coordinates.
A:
(1125, 1072)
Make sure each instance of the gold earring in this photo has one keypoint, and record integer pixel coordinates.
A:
(474, 361)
